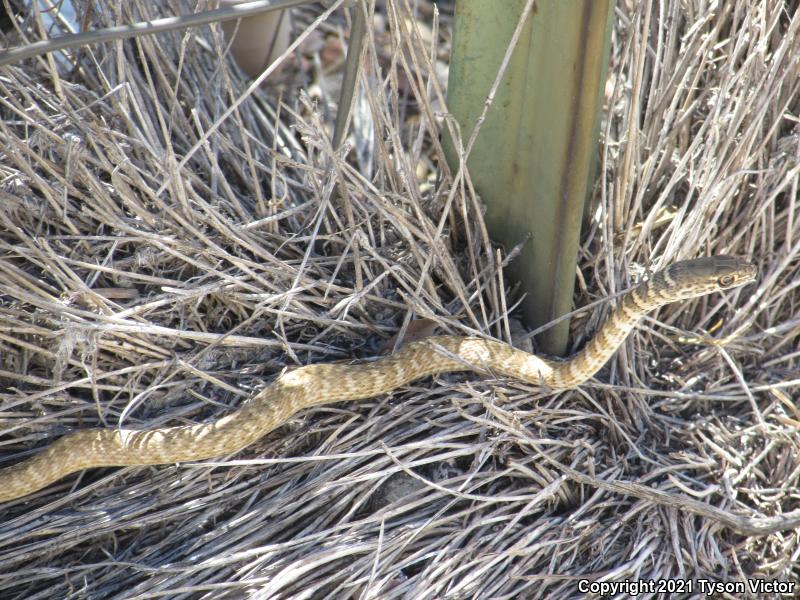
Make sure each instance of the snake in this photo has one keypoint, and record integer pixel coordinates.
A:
(316, 384)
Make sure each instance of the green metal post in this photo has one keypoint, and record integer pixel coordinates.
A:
(534, 157)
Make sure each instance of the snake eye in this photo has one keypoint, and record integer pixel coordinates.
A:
(726, 280)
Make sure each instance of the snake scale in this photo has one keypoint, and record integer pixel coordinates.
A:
(317, 384)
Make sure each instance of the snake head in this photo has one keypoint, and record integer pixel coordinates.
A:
(701, 276)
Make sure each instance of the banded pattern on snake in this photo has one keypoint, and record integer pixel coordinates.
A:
(317, 384)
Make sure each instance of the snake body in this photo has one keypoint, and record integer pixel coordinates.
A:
(317, 384)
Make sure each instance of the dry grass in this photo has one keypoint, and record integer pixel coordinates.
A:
(134, 291)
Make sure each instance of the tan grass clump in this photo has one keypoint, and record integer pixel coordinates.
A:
(158, 264)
